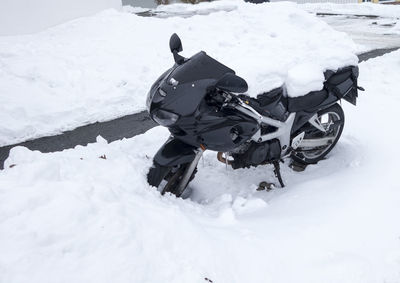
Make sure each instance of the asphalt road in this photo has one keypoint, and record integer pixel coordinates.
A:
(125, 127)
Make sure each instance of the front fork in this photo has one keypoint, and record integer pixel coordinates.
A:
(190, 169)
(174, 153)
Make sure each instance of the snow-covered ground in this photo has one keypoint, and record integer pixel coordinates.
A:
(74, 217)
(353, 19)
(101, 67)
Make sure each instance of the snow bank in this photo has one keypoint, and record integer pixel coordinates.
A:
(101, 67)
(396, 28)
(74, 217)
(26, 16)
(367, 9)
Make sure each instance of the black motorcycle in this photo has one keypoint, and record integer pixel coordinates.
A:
(202, 103)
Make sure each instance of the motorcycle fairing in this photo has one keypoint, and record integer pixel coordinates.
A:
(187, 84)
(182, 92)
(175, 152)
(214, 129)
(199, 67)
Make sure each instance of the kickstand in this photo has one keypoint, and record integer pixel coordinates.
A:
(277, 171)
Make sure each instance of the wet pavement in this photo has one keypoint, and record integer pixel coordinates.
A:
(369, 32)
(124, 127)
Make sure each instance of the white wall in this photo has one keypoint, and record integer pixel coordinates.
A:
(29, 16)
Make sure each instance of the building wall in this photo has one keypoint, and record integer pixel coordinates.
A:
(29, 16)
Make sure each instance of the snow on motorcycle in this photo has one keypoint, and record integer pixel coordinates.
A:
(203, 104)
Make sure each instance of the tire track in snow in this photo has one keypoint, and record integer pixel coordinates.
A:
(124, 127)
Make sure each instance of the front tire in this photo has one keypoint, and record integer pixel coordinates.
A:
(172, 177)
(332, 119)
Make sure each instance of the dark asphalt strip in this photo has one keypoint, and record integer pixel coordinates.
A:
(348, 15)
(125, 127)
(375, 53)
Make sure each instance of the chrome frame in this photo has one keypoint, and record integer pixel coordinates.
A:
(283, 128)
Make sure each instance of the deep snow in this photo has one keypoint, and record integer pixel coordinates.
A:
(74, 217)
(101, 67)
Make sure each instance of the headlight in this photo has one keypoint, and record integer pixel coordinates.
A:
(156, 84)
(165, 118)
(154, 97)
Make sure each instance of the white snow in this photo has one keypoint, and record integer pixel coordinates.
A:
(396, 28)
(366, 9)
(74, 217)
(303, 77)
(101, 67)
(202, 8)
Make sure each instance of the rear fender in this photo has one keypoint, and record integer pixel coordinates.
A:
(175, 152)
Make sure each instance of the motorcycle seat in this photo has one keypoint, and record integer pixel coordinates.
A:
(339, 82)
(308, 101)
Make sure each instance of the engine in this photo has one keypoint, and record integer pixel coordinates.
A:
(256, 154)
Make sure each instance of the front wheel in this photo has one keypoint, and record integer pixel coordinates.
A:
(169, 179)
(317, 143)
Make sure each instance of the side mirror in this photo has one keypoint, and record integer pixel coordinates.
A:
(175, 45)
(232, 83)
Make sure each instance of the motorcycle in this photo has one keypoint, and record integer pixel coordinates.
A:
(203, 104)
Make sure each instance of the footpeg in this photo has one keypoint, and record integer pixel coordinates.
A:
(297, 166)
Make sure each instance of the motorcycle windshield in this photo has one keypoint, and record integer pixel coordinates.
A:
(199, 67)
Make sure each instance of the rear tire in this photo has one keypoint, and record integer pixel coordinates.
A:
(172, 177)
(332, 118)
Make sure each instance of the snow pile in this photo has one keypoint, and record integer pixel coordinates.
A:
(303, 77)
(73, 216)
(396, 28)
(101, 67)
(202, 8)
(25, 16)
(366, 9)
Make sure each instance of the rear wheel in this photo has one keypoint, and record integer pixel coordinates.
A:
(317, 143)
(168, 179)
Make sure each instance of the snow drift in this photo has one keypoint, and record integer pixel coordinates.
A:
(72, 216)
(101, 67)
